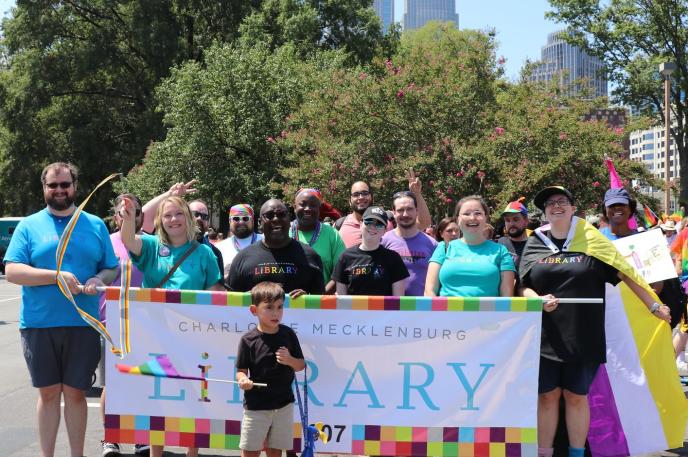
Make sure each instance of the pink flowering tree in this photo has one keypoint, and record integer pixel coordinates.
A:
(426, 108)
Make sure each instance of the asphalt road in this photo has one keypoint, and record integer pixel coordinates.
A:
(18, 428)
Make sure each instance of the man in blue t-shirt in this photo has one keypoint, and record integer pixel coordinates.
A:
(61, 350)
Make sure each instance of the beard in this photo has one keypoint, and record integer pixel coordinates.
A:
(242, 232)
(60, 205)
(515, 232)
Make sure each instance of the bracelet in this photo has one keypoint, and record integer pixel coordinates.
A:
(655, 306)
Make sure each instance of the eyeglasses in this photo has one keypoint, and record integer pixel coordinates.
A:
(563, 203)
(241, 218)
(363, 193)
(373, 222)
(203, 216)
(270, 215)
(62, 185)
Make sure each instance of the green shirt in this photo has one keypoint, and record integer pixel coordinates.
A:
(329, 247)
(199, 271)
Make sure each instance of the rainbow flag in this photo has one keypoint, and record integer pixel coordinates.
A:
(637, 405)
(649, 218)
(161, 367)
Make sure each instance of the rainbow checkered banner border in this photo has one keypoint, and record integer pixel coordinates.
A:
(387, 375)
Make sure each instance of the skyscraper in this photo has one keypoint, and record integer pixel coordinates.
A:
(385, 11)
(567, 63)
(418, 12)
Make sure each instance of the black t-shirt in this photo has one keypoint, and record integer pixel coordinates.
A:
(295, 266)
(515, 248)
(369, 272)
(574, 331)
(257, 355)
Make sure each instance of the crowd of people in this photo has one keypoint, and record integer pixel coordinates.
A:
(370, 251)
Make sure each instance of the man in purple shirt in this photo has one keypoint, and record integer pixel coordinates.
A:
(413, 245)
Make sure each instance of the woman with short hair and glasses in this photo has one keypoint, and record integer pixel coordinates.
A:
(172, 258)
(369, 268)
(570, 259)
(471, 266)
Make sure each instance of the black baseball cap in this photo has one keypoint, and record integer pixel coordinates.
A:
(542, 196)
(377, 213)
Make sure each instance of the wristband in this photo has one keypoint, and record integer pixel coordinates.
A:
(655, 306)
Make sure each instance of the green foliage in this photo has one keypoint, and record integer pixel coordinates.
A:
(223, 118)
(81, 78)
(439, 107)
(414, 110)
(633, 37)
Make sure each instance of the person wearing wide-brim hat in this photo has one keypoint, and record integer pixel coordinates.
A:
(573, 339)
(669, 229)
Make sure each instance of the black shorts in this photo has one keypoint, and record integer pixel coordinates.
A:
(576, 377)
(61, 355)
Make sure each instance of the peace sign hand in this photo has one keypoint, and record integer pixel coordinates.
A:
(180, 189)
(414, 182)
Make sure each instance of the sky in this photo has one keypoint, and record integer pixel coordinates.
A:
(520, 25)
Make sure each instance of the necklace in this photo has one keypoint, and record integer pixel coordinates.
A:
(294, 232)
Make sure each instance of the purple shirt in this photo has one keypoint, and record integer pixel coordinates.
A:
(136, 276)
(415, 252)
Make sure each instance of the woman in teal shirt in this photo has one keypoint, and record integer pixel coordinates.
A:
(471, 266)
(155, 255)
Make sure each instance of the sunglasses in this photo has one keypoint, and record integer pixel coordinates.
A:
(376, 223)
(270, 215)
(61, 185)
(403, 193)
(203, 216)
(363, 193)
(241, 218)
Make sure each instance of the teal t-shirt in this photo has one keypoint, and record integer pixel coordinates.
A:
(471, 271)
(199, 271)
(329, 246)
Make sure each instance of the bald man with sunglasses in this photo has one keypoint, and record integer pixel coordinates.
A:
(241, 226)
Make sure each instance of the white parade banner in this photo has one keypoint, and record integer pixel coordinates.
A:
(440, 369)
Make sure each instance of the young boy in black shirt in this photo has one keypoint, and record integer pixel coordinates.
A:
(270, 354)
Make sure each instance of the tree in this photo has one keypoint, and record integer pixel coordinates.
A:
(439, 107)
(80, 81)
(223, 118)
(632, 37)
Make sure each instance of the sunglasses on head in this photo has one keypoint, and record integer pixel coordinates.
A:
(203, 216)
(375, 222)
(270, 215)
(403, 193)
(241, 218)
(62, 185)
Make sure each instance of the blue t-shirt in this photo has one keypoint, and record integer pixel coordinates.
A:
(34, 243)
(471, 271)
(607, 231)
(199, 271)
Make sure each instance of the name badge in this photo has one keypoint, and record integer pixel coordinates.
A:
(163, 251)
